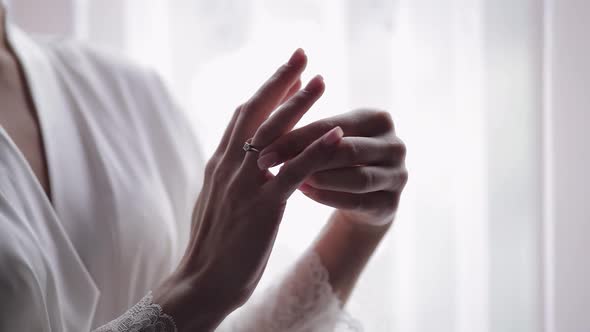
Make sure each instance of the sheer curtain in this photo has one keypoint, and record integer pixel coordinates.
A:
(462, 81)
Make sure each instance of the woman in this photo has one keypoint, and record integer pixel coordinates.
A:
(103, 197)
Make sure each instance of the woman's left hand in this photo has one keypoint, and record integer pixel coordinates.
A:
(366, 174)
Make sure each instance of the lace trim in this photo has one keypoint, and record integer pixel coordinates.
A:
(309, 301)
(145, 316)
(303, 302)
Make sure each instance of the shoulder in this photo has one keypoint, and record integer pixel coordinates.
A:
(120, 90)
(84, 58)
(103, 85)
(126, 97)
(128, 100)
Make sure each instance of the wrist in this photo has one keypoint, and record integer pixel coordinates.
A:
(361, 223)
(191, 307)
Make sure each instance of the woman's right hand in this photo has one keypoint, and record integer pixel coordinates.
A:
(239, 209)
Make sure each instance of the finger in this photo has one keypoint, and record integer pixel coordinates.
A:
(355, 151)
(360, 151)
(293, 173)
(368, 123)
(277, 86)
(292, 91)
(267, 98)
(377, 202)
(359, 180)
(283, 120)
(287, 116)
(228, 131)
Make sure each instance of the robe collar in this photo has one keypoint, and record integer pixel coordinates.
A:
(59, 134)
(43, 87)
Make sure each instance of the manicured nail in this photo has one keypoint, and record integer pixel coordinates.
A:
(333, 136)
(315, 84)
(297, 56)
(268, 160)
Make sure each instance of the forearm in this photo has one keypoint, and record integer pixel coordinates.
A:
(345, 247)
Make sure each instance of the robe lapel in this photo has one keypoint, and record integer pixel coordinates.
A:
(68, 280)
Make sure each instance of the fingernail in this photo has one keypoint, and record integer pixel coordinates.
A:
(268, 160)
(333, 136)
(315, 84)
(297, 56)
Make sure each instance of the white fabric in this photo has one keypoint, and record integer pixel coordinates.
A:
(144, 316)
(463, 80)
(302, 302)
(125, 171)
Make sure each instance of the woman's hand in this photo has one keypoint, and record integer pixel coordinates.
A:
(366, 174)
(240, 207)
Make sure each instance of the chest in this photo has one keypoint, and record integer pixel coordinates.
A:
(105, 189)
(19, 120)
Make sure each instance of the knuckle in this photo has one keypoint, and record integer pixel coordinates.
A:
(223, 172)
(323, 155)
(362, 112)
(249, 105)
(283, 70)
(368, 179)
(384, 117)
(279, 75)
(300, 98)
(263, 133)
(211, 166)
(349, 152)
(359, 203)
(303, 96)
(392, 149)
(325, 125)
(402, 149)
(274, 79)
(396, 150)
(240, 108)
(403, 178)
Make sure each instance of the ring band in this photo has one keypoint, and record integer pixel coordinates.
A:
(249, 147)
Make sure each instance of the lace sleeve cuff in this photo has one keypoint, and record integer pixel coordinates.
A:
(143, 317)
(303, 301)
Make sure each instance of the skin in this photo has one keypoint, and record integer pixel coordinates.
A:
(365, 192)
(353, 162)
(18, 116)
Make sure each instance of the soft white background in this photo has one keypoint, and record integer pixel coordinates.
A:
(489, 96)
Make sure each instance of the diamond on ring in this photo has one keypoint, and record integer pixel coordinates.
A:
(249, 147)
